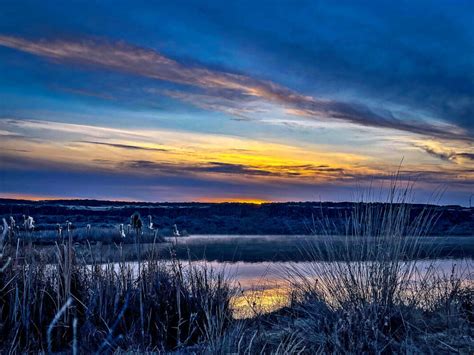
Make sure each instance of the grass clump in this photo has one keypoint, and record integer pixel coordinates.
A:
(105, 307)
(374, 294)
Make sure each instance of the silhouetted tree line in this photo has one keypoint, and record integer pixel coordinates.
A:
(222, 218)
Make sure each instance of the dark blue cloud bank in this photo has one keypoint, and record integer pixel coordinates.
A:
(415, 59)
(416, 54)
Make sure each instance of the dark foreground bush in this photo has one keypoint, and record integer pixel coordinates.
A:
(69, 305)
(373, 329)
(372, 295)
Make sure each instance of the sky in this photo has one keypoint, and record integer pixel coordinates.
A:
(236, 100)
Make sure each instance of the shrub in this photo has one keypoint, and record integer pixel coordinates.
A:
(97, 307)
(373, 293)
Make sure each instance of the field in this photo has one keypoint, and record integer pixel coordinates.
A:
(75, 292)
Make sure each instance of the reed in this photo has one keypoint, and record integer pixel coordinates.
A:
(371, 294)
(72, 305)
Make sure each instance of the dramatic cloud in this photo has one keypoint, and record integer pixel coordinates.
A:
(224, 86)
(236, 100)
(417, 58)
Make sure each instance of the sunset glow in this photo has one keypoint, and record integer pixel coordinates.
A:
(243, 113)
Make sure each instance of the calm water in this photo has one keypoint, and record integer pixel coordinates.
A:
(258, 265)
(260, 248)
(264, 286)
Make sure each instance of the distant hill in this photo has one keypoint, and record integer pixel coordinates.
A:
(220, 218)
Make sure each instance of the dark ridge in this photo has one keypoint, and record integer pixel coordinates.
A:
(219, 218)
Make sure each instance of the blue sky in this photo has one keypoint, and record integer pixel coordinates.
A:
(239, 101)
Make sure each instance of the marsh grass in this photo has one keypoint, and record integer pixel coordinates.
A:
(104, 235)
(371, 294)
(72, 305)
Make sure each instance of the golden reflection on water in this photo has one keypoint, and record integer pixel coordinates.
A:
(264, 286)
(270, 291)
(250, 303)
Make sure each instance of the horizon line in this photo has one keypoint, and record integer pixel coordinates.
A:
(243, 202)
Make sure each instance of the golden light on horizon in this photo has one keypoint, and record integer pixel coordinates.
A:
(217, 159)
(255, 201)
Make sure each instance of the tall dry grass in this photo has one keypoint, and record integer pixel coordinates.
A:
(70, 305)
(372, 294)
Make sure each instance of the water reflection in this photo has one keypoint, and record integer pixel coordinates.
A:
(265, 286)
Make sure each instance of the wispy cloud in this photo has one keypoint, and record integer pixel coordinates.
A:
(125, 146)
(239, 106)
(467, 156)
(224, 91)
(307, 171)
(22, 127)
(447, 154)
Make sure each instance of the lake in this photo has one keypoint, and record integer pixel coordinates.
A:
(259, 265)
(250, 248)
(264, 286)
(256, 248)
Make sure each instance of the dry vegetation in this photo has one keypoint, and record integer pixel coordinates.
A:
(373, 297)
(365, 301)
(71, 305)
